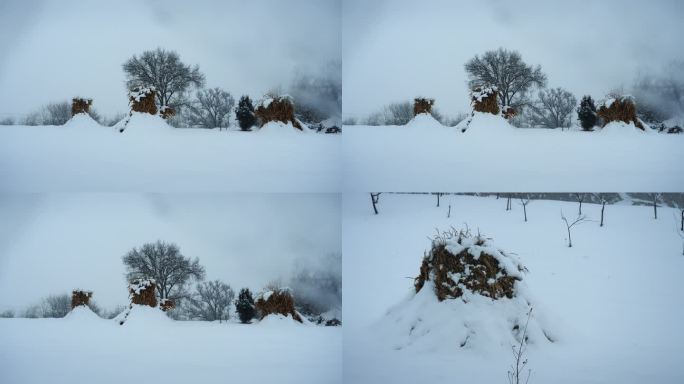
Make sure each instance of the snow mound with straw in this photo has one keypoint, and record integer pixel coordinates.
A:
(142, 123)
(486, 124)
(143, 316)
(82, 313)
(81, 121)
(424, 121)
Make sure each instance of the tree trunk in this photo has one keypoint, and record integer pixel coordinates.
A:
(603, 207)
(374, 201)
(525, 211)
(569, 239)
(438, 199)
(449, 213)
(655, 208)
(682, 227)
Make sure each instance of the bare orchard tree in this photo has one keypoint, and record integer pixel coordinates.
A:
(398, 113)
(211, 109)
(56, 113)
(375, 199)
(211, 301)
(166, 264)
(580, 199)
(656, 199)
(56, 305)
(602, 198)
(508, 72)
(166, 72)
(579, 220)
(524, 201)
(552, 109)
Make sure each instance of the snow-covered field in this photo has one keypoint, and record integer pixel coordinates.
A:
(149, 347)
(150, 156)
(611, 302)
(493, 156)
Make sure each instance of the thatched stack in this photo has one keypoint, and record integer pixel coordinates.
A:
(167, 112)
(80, 105)
(422, 105)
(167, 304)
(458, 262)
(277, 301)
(509, 112)
(142, 99)
(142, 292)
(277, 108)
(619, 109)
(484, 99)
(80, 297)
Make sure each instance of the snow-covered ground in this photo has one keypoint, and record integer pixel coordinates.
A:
(149, 347)
(150, 156)
(611, 302)
(493, 156)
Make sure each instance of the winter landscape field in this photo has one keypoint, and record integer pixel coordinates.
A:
(609, 303)
(492, 153)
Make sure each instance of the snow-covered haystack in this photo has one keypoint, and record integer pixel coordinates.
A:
(167, 112)
(469, 294)
(167, 304)
(622, 128)
(424, 121)
(80, 297)
(142, 316)
(276, 301)
(280, 128)
(277, 108)
(484, 99)
(486, 124)
(619, 109)
(142, 291)
(143, 123)
(422, 105)
(82, 313)
(80, 105)
(82, 121)
(458, 262)
(142, 99)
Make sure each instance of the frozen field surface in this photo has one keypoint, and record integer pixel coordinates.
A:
(150, 156)
(611, 303)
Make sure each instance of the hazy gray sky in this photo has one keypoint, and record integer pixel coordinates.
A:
(394, 50)
(54, 50)
(51, 244)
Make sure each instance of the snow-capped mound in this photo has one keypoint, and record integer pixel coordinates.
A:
(81, 121)
(280, 128)
(472, 321)
(424, 121)
(486, 124)
(622, 128)
(141, 123)
(82, 313)
(143, 316)
(277, 319)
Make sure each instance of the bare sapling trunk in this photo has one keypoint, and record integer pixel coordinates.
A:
(449, 212)
(524, 203)
(603, 207)
(655, 206)
(516, 375)
(580, 219)
(580, 198)
(375, 198)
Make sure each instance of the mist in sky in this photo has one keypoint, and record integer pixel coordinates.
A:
(394, 50)
(55, 50)
(51, 244)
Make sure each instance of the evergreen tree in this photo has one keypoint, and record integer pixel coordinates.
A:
(244, 113)
(586, 113)
(244, 305)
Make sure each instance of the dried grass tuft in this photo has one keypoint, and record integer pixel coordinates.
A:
(620, 109)
(277, 108)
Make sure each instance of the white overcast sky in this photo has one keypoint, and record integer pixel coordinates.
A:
(53, 243)
(52, 50)
(394, 50)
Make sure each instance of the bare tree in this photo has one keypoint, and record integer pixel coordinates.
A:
(211, 301)
(660, 94)
(679, 228)
(553, 108)
(164, 70)
(211, 109)
(438, 194)
(375, 199)
(318, 94)
(516, 373)
(398, 113)
(580, 199)
(56, 113)
(524, 202)
(508, 202)
(56, 305)
(7, 121)
(603, 207)
(508, 72)
(163, 262)
(449, 212)
(7, 314)
(579, 220)
(656, 198)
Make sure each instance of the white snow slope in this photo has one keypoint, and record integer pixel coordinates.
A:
(154, 349)
(491, 155)
(612, 302)
(150, 156)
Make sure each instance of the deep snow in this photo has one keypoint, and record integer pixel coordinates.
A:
(611, 302)
(83, 348)
(491, 155)
(150, 156)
